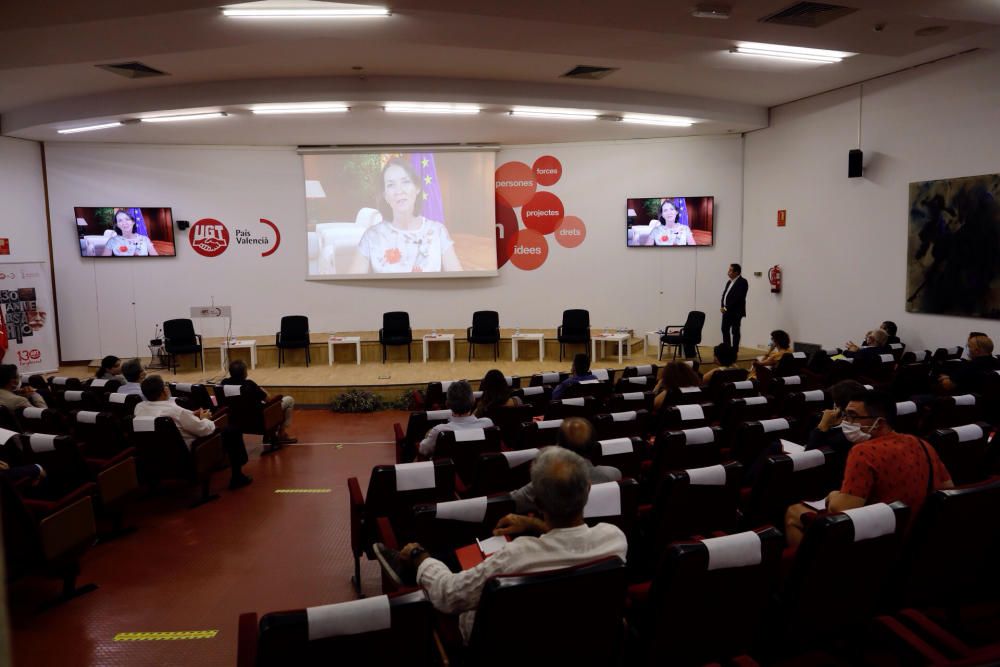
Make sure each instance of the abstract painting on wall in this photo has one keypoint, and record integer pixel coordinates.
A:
(953, 262)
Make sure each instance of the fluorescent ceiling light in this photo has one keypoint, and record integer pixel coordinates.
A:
(89, 128)
(304, 107)
(431, 107)
(306, 13)
(796, 53)
(547, 112)
(182, 117)
(654, 119)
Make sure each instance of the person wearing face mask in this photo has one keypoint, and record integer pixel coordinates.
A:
(781, 344)
(883, 466)
(828, 432)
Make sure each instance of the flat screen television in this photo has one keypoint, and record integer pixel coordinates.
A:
(669, 221)
(125, 231)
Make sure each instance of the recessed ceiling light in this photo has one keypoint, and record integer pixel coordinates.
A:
(89, 128)
(303, 107)
(431, 107)
(306, 13)
(183, 117)
(783, 52)
(655, 119)
(552, 112)
(706, 11)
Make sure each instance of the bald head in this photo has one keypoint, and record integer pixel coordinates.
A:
(577, 434)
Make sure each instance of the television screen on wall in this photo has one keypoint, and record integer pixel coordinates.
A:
(670, 221)
(125, 231)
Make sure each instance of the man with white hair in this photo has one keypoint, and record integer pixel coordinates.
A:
(561, 483)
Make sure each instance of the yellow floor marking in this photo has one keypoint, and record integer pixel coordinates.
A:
(154, 636)
(303, 490)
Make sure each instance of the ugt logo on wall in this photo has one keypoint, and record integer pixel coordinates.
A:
(209, 237)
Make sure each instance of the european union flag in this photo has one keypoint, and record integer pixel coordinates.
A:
(432, 207)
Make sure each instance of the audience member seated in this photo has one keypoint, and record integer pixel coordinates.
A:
(579, 372)
(725, 360)
(889, 327)
(962, 377)
(575, 434)
(562, 485)
(192, 425)
(496, 394)
(875, 343)
(882, 467)
(673, 376)
(134, 374)
(781, 344)
(238, 377)
(460, 401)
(110, 369)
(828, 432)
(12, 396)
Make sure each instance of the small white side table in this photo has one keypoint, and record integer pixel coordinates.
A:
(440, 338)
(645, 341)
(516, 338)
(238, 345)
(343, 340)
(620, 338)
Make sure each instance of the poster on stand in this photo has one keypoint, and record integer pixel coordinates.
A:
(27, 324)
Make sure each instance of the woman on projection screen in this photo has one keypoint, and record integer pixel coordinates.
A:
(406, 242)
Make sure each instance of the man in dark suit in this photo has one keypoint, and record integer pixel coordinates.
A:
(734, 306)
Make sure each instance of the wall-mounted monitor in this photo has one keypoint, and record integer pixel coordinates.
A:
(125, 231)
(669, 221)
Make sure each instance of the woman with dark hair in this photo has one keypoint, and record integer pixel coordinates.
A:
(110, 369)
(667, 228)
(674, 375)
(126, 242)
(725, 360)
(781, 344)
(405, 241)
(496, 394)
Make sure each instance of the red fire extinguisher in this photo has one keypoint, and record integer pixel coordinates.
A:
(774, 277)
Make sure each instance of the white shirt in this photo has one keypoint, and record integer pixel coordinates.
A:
(678, 235)
(561, 547)
(394, 250)
(190, 426)
(131, 388)
(453, 424)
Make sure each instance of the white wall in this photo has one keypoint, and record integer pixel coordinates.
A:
(844, 251)
(111, 307)
(23, 195)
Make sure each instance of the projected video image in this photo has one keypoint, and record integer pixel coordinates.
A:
(400, 214)
(113, 231)
(670, 221)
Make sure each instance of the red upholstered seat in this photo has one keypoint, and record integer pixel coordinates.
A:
(692, 448)
(698, 501)
(582, 406)
(963, 450)
(464, 447)
(632, 424)
(786, 479)
(625, 454)
(501, 472)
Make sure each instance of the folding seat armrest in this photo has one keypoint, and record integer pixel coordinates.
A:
(246, 641)
(42, 509)
(904, 637)
(935, 631)
(221, 421)
(68, 531)
(385, 534)
(207, 452)
(357, 502)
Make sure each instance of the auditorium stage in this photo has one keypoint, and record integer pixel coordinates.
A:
(321, 382)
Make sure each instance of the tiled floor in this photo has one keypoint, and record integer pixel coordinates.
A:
(198, 569)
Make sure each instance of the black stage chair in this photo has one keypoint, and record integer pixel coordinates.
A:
(575, 328)
(395, 331)
(485, 330)
(294, 334)
(687, 336)
(179, 338)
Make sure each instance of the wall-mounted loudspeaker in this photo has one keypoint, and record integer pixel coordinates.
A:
(854, 166)
(183, 224)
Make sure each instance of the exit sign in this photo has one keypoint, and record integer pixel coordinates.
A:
(781, 217)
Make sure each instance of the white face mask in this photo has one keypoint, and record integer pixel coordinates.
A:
(854, 433)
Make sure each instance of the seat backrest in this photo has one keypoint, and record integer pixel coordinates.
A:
(721, 377)
(678, 417)
(576, 320)
(294, 328)
(552, 612)
(747, 408)
(464, 446)
(594, 389)
(195, 393)
(246, 412)
(786, 479)
(396, 321)
(841, 570)
(644, 370)
(691, 448)
(630, 383)
(696, 501)
(537, 397)
(625, 454)
(631, 400)
(8, 420)
(502, 472)
(179, 332)
(736, 389)
(64, 466)
(948, 411)
(421, 422)
(100, 432)
(122, 405)
(381, 630)
(752, 437)
(443, 527)
(539, 433)
(62, 383)
(616, 503)
(41, 420)
(950, 557)
(634, 423)
(708, 598)
(509, 419)
(549, 379)
(909, 417)
(161, 452)
(963, 451)
(685, 396)
(580, 406)
(805, 403)
(393, 490)
(101, 387)
(485, 322)
(693, 325)
(434, 395)
(791, 363)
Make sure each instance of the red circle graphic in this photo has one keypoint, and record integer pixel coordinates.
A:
(209, 237)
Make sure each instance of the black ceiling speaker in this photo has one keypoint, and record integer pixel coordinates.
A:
(854, 167)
